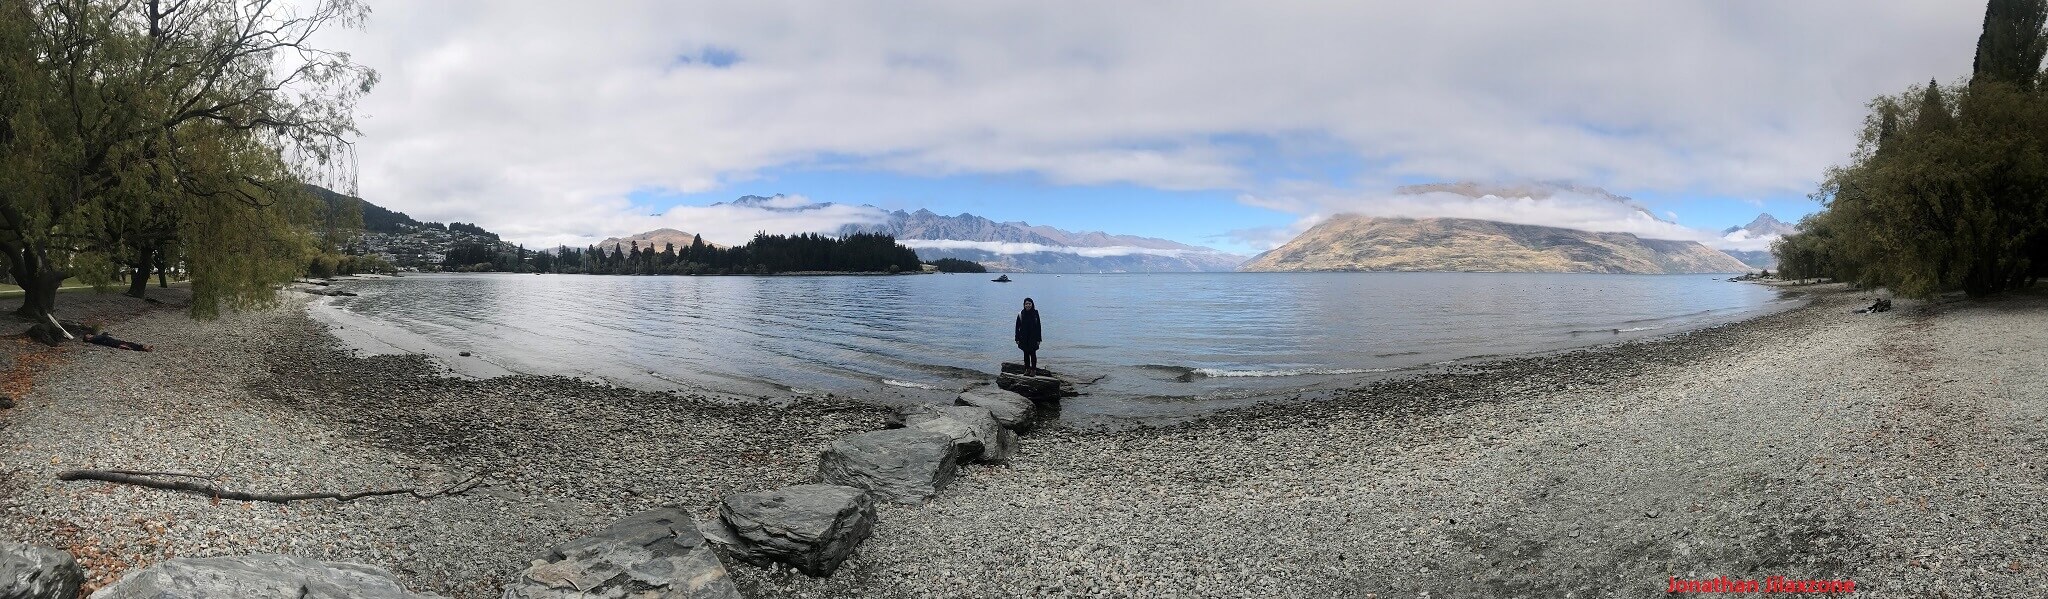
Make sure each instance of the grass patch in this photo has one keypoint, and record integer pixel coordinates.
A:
(71, 284)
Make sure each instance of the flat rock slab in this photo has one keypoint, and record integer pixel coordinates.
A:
(975, 432)
(29, 572)
(257, 577)
(1007, 407)
(813, 528)
(1038, 384)
(657, 554)
(901, 465)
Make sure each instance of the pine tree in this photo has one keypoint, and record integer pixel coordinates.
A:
(2012, 44)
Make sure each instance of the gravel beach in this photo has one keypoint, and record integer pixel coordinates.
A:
(1902, 450)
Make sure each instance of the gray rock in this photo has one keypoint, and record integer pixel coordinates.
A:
(260, 576)
(811, 527)
(1010, 409)
(657, 554)
(28, 572)
(976, 434)
(901, 465)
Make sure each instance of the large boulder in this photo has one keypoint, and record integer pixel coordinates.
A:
(1041, 385)
(976, 434)
(1009, 409)
(28, 572)
(656, 554)
(811, 527)
(902, 465)
(260, 576)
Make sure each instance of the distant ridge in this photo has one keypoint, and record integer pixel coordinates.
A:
(1351, 242)
(656, 239)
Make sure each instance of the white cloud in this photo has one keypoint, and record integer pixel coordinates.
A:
(1743, 240)
(729, 224)
(538, 118)
(1013, 248)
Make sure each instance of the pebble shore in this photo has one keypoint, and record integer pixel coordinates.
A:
(1902, 450)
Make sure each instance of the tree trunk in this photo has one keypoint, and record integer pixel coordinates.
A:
(38, 282)
(138, 277)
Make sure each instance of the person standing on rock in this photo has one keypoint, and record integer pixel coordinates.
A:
(1029, 334)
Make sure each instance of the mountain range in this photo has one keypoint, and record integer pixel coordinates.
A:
(1350, 242)
(1024, 247)
(1764, 225)
(1759, 233)
(1019, 246)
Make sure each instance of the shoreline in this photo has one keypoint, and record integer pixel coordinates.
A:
(1159, 403)
(1359, 491)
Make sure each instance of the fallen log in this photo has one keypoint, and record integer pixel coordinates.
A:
(146, 479)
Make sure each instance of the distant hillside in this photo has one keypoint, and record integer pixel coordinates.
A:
(656, 239)
(376, 219)
(1759, 259)
(1352, 242)
(409, 243)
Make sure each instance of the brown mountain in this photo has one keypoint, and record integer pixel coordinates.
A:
(1350, 242)
(654, 239)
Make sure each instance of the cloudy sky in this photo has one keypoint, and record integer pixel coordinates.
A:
(1229, 124)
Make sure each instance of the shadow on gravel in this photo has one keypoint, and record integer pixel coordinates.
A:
(1759, 536)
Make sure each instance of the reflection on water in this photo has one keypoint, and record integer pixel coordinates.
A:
(1170, 344)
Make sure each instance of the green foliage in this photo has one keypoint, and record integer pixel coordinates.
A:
(766, 254)
(334, 265)
(958, 265)
(146, 136)
(2010, 48)
(1948, 188)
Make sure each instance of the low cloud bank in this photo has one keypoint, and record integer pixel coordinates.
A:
(1744, 241)
(730, 224)
(1010, 248)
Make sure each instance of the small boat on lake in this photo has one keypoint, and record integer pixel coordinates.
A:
(1001, 279)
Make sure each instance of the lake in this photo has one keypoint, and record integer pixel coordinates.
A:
(1167, 345)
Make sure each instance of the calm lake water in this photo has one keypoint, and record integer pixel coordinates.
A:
(1168, 345)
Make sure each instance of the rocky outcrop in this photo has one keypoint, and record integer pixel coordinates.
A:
(1008, 408)
(976, 434)
(257, 577)
(1350, 242)
(28, 572)
(1036, 384)
(657, 554)
(813, 528)
(901, 465)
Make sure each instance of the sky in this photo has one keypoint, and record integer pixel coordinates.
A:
(1227, 124)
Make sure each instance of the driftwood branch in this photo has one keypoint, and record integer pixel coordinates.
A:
(146, 479)
(144, 473)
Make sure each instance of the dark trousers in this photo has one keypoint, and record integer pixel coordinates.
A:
(1030, 356)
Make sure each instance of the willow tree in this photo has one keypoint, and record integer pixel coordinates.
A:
(1948, 188)
(189, 122)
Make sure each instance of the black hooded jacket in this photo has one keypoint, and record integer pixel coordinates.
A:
(1028, 332)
